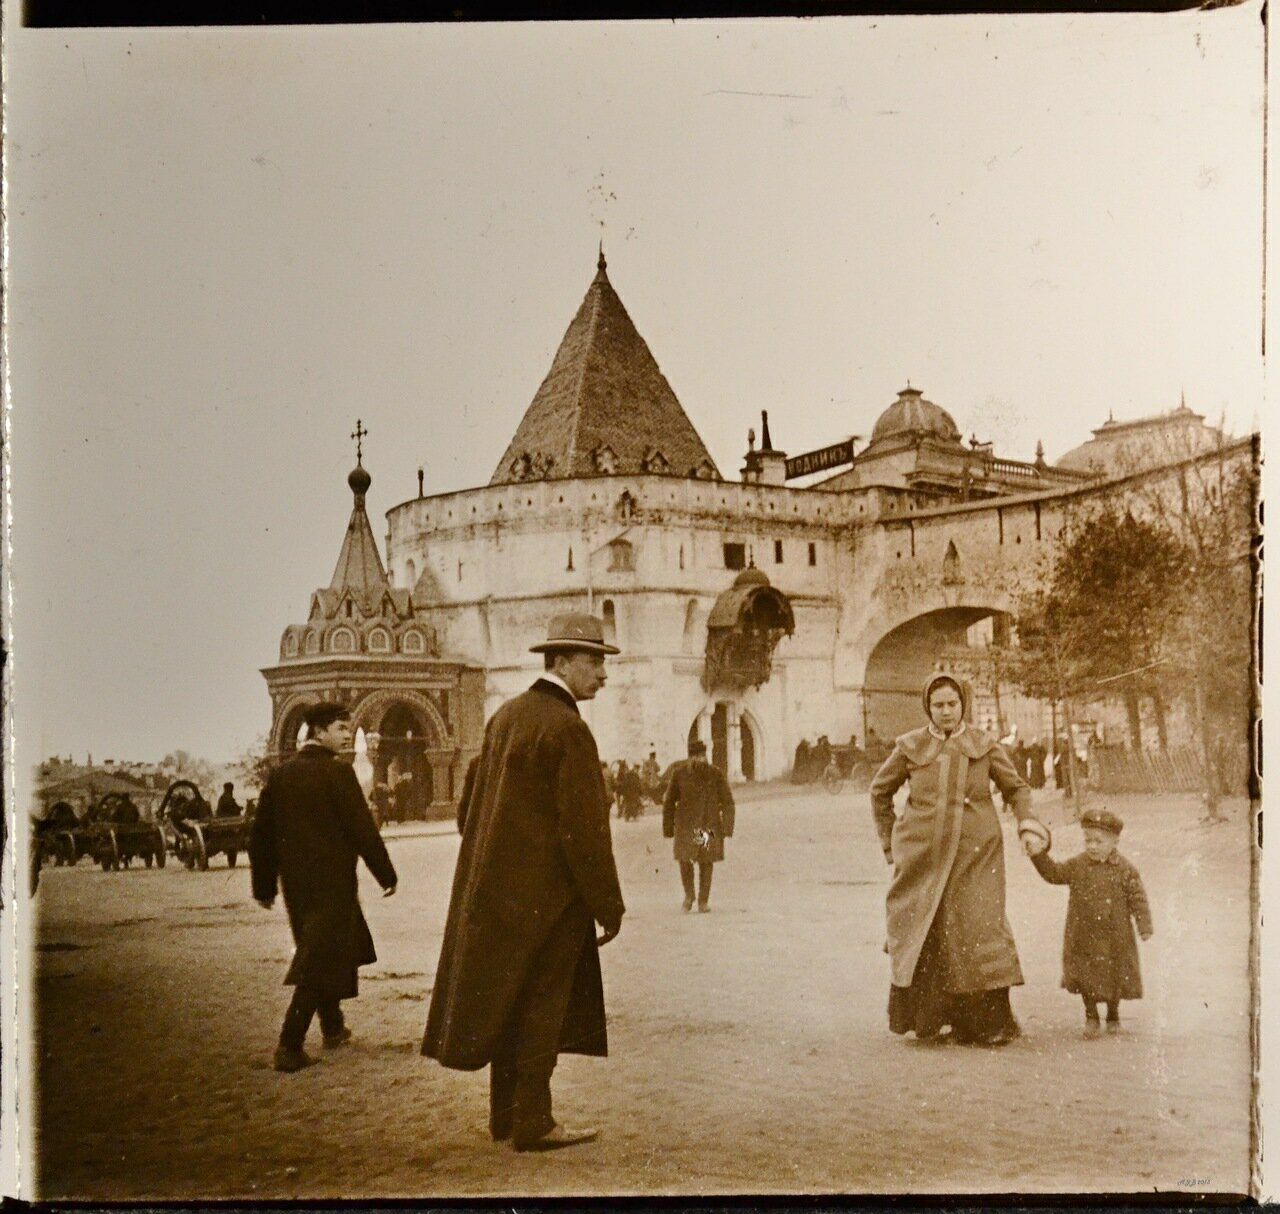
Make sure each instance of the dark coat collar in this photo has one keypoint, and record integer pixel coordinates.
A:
(313, 750)
(548, 688)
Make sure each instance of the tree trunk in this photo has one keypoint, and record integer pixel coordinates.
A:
(1134, 708)
(1162, 722)
(1073, 772)
(1206, 752)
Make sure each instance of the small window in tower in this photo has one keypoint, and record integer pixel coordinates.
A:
(681, 556)
(777, 552)
(735, 556)
(813, 554)
(622, 556)
(609, 621)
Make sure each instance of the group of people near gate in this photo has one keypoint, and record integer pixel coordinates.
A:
(536, 893)
(630, 785)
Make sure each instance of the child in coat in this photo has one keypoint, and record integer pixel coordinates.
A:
(1099, 952)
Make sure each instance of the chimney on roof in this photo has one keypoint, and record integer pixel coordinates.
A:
(772, 464)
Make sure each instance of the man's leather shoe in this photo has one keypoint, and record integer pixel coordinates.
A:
(333, 1041)
(288, 1060)
(554, 1139)
(688, 904)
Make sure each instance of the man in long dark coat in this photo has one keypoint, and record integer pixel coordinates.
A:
(698, 814)
(518, 980)
(311, 826)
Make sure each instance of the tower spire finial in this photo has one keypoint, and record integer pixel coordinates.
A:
(601, 264)
(766, 443)
(359, 479)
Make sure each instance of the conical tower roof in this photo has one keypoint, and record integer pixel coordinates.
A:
(359, 567)
(604, 407)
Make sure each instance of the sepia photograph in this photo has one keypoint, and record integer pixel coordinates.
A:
(635, 608)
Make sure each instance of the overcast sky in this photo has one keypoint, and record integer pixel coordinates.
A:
(227, 245)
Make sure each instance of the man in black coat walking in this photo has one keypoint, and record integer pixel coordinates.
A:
(311, 827)
(518, 981)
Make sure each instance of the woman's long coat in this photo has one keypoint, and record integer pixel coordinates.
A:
(697, 811)
(311, 826)
(535, 846)
(947, 853)
(1099, 950)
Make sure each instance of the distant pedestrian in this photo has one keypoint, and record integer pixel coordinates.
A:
(1018, 754)
(630, 793)
(228, 806)
(801, 764)
(1036, 754)
(1099, 952)
(311, 826)
(697, 813)
(518, 982)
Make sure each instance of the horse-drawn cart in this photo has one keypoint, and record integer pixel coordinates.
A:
(121, 835)
(195, 834)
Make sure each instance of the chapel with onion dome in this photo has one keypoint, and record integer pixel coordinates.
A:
(418, 715)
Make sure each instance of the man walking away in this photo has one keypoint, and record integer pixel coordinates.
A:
(518, 980)
(311, 826)
(698, 814)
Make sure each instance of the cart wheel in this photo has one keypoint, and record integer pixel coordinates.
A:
(160, 856)
(201, 853)
(231, 858)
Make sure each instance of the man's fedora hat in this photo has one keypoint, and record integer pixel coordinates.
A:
(574, 630)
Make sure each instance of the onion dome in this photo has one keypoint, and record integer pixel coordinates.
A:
(359, 480)
(912, 414)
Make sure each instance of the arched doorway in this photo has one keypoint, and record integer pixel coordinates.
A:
(402, 788)
(734, 740)
(906, 655)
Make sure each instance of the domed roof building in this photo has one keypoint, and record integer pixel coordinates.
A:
(743, 608)
(1120, 447)
(917, 446)
(912, 415)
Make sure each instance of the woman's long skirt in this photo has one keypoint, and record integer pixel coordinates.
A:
(927, 1006)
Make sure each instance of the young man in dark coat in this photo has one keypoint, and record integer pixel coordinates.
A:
(698, 814)
(311, 826)
(518, 980)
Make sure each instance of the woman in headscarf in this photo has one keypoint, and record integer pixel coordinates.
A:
(952, 954)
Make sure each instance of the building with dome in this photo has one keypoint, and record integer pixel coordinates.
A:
(726, 596)
(1121, 447)
(751, 612)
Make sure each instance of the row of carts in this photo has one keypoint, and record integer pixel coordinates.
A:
(114, 833)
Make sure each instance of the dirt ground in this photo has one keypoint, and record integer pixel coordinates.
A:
(750, 1052)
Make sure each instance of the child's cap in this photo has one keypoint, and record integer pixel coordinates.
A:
(1101, 819)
